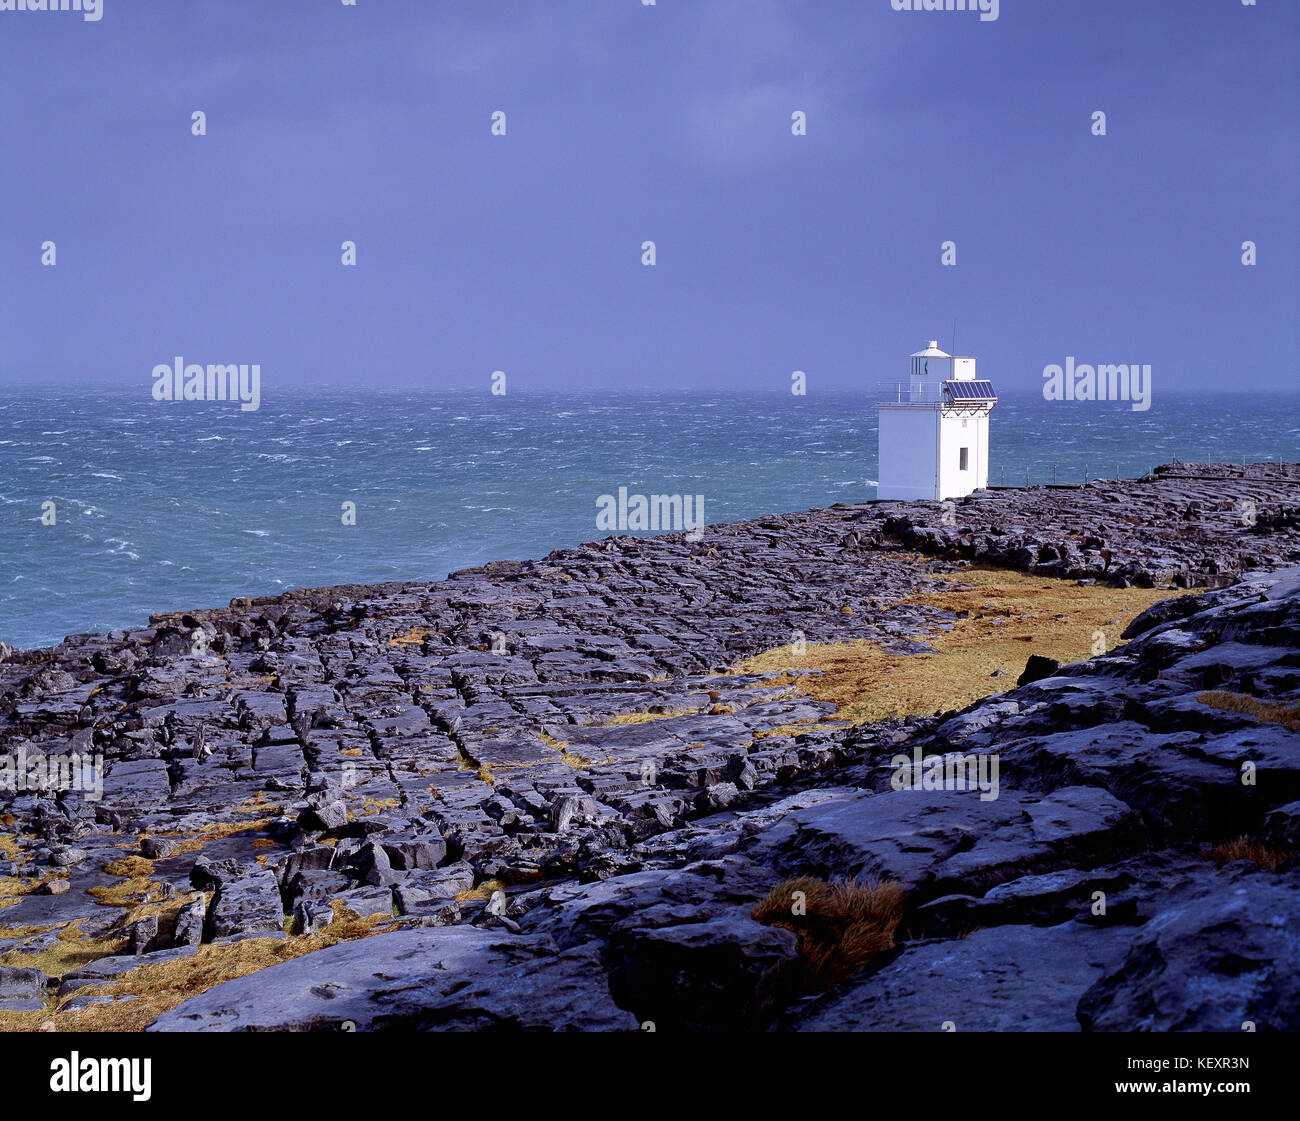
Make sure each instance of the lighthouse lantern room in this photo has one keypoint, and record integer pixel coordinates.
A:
(934, 428)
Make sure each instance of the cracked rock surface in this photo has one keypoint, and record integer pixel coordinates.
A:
(572, 731)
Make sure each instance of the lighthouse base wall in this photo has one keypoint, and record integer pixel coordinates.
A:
(931, 454)
(909, 459)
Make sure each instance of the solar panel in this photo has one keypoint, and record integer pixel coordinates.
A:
(970, 390)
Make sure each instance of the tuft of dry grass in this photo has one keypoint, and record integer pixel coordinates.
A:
(485, 890)
(1009, 616)
(1246, 848)
(1270, 712)
(841, 925)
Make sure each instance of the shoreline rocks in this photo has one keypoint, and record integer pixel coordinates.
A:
(549, 773)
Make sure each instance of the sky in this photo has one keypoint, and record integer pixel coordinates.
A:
(628, 122)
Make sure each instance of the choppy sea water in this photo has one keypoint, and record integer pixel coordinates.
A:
(164, 506)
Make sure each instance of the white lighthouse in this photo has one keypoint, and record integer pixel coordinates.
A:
(934, 428)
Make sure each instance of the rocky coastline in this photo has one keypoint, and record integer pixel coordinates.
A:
(549, 795)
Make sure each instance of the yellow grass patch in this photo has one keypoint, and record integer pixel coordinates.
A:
(160, 986)
(70, 950)
(130, 866)
(9, 847)
(414, 637)
(647, 717)
(135, 886)
(258, 803)
(567, 757)
(485, 890)
(11, 887)
(1268, 711)
(215, 831)
(867, 683)
(135, 891)
(829, 720)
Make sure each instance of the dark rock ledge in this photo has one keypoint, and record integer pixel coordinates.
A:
(387, 748)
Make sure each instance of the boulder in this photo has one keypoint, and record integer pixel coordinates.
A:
(1226, 957)
(1036, 668)
(728, 973)
(427, 979)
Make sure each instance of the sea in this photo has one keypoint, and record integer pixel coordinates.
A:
(114, 506)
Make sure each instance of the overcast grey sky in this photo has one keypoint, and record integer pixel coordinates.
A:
(626, 123)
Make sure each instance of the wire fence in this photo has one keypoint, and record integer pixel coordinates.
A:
(1058, 474)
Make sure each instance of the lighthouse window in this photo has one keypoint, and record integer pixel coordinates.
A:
(963, 460)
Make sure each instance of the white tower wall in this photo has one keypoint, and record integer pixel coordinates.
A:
(934, 440)
(959, 432)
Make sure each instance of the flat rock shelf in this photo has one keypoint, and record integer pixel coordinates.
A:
(647, 781)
